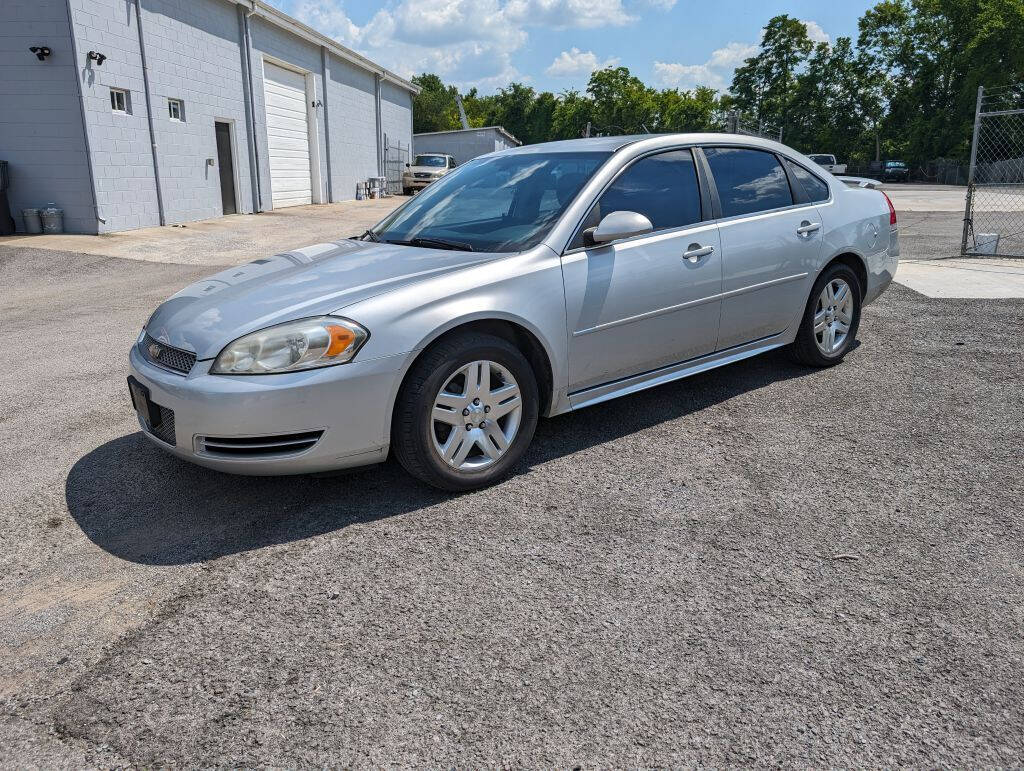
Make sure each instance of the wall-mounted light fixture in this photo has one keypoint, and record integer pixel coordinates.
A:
(41, 52)
(97, 57)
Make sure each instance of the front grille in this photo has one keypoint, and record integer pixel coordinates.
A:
(422, 175)
(257, 446)
(167, 356)
(165, 431)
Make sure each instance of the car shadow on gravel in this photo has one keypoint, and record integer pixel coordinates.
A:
(140, 504)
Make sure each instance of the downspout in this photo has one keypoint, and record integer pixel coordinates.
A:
(85, 127)
(327, 122)
(149, 113)
(250, 111)
(380, 127)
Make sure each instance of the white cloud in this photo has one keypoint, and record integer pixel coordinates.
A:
(816, 33)
(716, 72)
(467, 42)
(577, 62)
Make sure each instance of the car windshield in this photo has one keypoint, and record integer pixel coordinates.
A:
(430, 160)
(822, 158)
(497, 203)
(896, 165)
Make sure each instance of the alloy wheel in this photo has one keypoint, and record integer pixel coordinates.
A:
(833, 316)
(476, 415)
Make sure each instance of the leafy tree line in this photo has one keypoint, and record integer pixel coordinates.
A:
(905, 88)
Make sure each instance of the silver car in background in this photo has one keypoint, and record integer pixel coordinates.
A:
(525, 283)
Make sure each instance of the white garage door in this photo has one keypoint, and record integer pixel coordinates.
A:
(287, 136)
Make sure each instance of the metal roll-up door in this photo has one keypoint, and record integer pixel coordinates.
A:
(287, 136)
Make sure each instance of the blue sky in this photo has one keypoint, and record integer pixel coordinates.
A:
(555, 44)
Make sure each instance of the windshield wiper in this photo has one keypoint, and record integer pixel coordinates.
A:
(369, 235)
(432, 243)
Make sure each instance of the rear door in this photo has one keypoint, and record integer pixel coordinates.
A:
(641, 303)
(771, 242)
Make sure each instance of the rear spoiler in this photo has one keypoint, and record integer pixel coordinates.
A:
(860, 182)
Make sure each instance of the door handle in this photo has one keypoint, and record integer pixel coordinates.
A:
(807, 227)
(694, 252)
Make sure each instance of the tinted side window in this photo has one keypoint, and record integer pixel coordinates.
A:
(748, 181)
(814, 188)
(662, 187)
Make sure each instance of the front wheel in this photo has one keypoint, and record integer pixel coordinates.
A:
(466, 412)
(831, 319)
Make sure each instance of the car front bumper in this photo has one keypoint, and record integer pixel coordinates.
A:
(416, 183)
(346, 407)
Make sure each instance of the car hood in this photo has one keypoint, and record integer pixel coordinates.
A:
(432, 169)
(316, 280)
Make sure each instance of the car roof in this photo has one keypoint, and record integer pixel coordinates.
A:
(612, 144)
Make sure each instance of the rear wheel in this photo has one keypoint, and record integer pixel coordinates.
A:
(831, 319)
(466, 412)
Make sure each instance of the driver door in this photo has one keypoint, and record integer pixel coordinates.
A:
(652, 300)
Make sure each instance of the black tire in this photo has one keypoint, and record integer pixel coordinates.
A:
(805, 348)
(412, 439)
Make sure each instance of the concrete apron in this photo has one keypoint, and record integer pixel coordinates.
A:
(966, 278)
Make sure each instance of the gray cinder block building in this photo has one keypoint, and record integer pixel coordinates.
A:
(464, 144)
(132, 113)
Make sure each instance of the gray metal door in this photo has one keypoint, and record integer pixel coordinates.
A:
(768, 262)
(652, 300)
(639, 305)
(770, 246)
(226, 168)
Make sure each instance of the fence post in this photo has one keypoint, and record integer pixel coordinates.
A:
(969, 202)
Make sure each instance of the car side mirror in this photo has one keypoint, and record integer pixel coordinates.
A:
(616, 226)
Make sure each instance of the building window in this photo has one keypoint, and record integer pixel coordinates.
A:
(176, 109)
(119, 100)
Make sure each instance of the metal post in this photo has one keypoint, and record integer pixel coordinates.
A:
(968, 204)
(149, 115)
(732, 123)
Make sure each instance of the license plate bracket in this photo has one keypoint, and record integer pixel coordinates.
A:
(148, 411)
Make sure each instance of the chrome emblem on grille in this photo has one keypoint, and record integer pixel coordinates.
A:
(155, 351)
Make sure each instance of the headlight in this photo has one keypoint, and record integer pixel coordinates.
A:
(297, 345)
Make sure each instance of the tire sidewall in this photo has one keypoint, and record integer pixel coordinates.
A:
(502, 353)
(830, 274)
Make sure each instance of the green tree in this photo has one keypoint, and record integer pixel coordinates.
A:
(622, 104)
(573, 111)
(765, 85)
(697, 110)
(433, 108)
(935, 54)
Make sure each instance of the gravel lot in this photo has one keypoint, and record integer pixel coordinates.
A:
(759, 565)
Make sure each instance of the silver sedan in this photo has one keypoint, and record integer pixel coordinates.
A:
(526, 283)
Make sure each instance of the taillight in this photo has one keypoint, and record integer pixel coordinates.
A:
(892, 209)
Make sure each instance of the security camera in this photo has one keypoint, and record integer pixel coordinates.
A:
(97, 57)
(41, 52)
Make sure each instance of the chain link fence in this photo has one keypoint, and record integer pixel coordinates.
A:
(737, 123)
(994, 218)
(396, 155)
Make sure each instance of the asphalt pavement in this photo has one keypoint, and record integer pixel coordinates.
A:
(760, 565)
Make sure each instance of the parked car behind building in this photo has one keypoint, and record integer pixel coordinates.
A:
(828, 162)
(424, 169)
(895, 171)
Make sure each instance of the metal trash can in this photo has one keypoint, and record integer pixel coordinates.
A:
(33, 224)
(53, 219)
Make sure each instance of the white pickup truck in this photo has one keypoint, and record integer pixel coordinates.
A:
(828, 162)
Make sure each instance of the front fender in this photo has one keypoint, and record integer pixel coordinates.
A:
(525, 290)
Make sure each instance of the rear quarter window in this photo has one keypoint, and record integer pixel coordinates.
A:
(813, 187)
